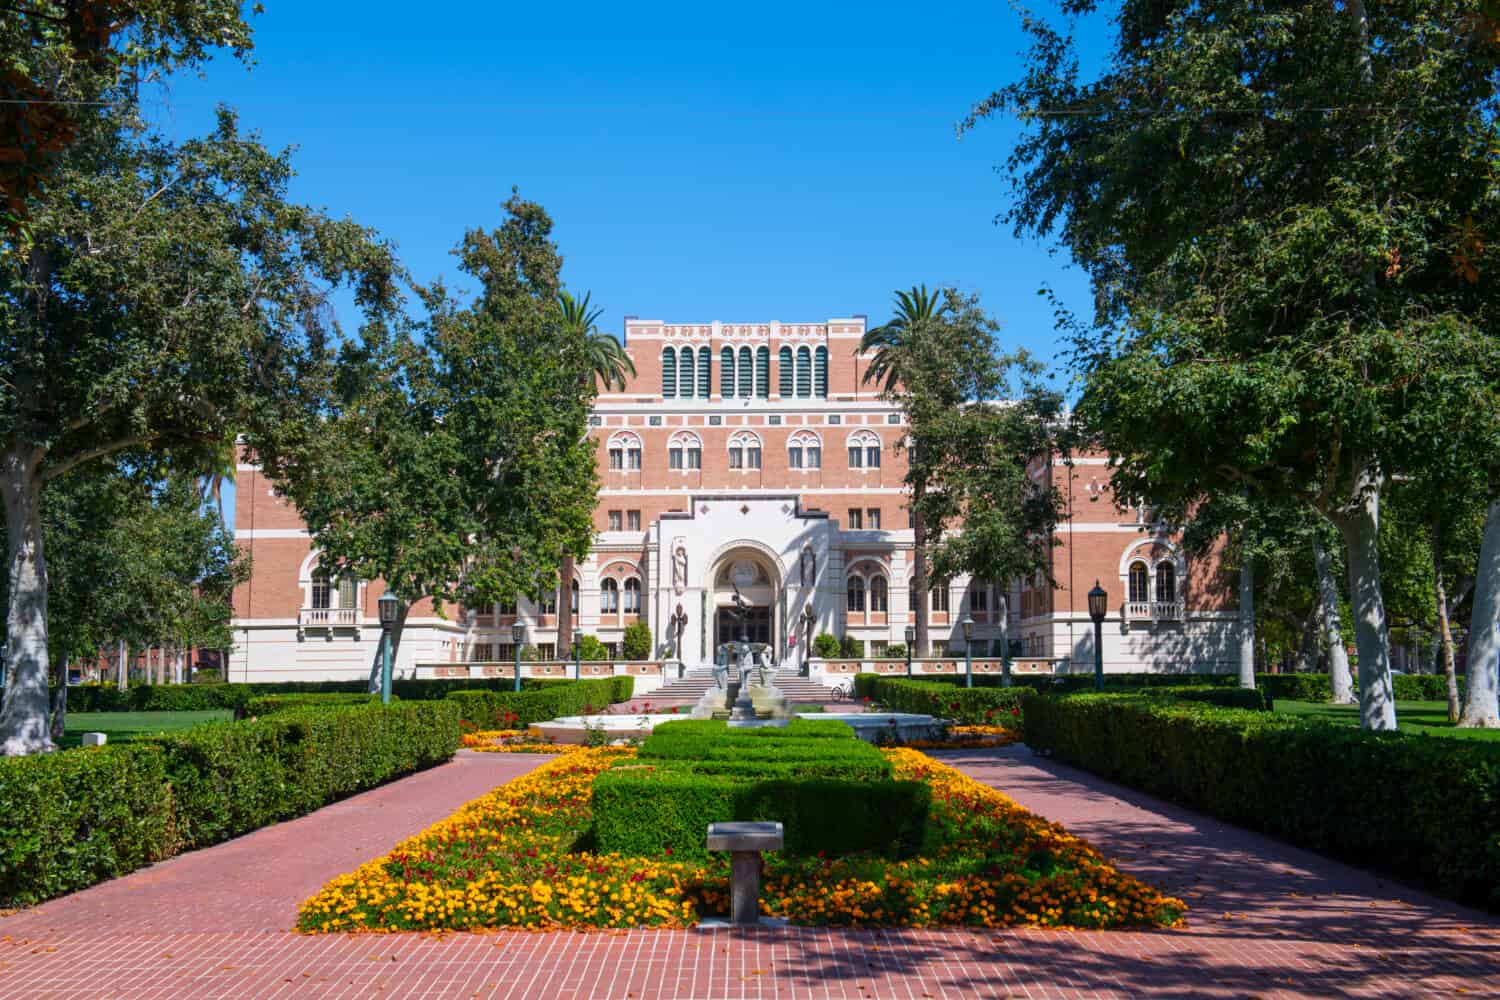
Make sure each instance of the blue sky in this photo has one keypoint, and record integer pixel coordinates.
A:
(790, 161)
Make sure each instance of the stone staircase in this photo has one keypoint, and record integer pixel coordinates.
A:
(697, 680)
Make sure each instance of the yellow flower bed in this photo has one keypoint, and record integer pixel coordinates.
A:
(969, 738)
(511, 741)
(512, 858)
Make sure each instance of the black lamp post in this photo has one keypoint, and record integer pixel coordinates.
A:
(517, 638)
(389, 608)
(968, 626)
(1098, 607)
(911, 640)
(577, 654)
(809, 618)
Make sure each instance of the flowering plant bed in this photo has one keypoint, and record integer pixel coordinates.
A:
(511, 741)
(519, 857)
(969, 738)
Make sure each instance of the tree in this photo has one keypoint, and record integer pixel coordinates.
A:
(1282, 287)
(63, 57)
(609, 365)
(160, 298)
(894, 344)
(636, 642)
(454, 462)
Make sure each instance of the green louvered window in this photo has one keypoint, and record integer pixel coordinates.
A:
(804, 372)
(747, 373)
(669, 372)
(726, 372)
(784, 372)
(763, 372)
(685, 372)
(820, 372)
(705, 361)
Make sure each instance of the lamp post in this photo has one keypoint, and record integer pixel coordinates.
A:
(911, 640)
(808, 620)
(389, 607)
(517, 638)
(1098, 605)
(968, 626)
(577, 654)
(679, 624)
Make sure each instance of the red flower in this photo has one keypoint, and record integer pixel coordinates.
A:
(669, 852)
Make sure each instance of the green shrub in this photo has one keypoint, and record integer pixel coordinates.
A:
(1392, 802)
(851, 648)
(74, 818)
(510, 709)
(591, 649)
(827, 646)
(1250, 699)
(894, 651)
(635, 644)
(1295, 687)
(864, 685)
(970, 706)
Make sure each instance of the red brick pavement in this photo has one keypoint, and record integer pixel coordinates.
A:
(1267, 921)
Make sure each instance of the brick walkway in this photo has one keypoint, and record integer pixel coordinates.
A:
(1267, 921)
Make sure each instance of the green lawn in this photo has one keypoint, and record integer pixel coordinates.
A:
(1429, 717)
(122, 726)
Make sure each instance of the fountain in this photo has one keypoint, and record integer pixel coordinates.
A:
(750, 698)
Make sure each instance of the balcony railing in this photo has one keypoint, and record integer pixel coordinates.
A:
(327, 617)
(1156, 611)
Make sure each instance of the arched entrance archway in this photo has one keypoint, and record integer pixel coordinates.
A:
(758, 580)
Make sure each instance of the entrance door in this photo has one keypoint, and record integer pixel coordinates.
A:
(757, 626)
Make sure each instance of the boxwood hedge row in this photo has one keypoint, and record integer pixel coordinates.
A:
(971, 706)
(1423, 809)
(512, 709)
(76, 817)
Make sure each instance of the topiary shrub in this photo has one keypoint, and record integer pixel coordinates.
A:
(851, 648)
(827, 646)
(636, 643)
(591, 649)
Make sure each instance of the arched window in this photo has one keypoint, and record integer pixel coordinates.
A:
(609, 597)
(804, 450)
(726, 372)
(705, 371)
(685, 380)
(820, 372)
(684, 452)
(939, 595)
(784, 372)
(1140, 590)
(632, 596)
(668, 372)
(804, 372)
(624, 451)
(879, 594)
(744, 450)
(763, 372)
(857, 593)
(573, 600)
(746, 373)
(864, 450)
(322, 591)
(548, 604)
(1166, 583)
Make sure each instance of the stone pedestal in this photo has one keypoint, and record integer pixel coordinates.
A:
(745, 841)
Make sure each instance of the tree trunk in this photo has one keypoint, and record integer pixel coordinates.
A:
(1338, 657)
(1445, 634)
(122, 665)
(1482, 676)
(1002, 618)
(565, 609)
(919, 581)
(25, 709)
(1247, 622)
(60, 704)
(1359, 523)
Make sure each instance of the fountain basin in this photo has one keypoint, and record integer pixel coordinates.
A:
(868, 726)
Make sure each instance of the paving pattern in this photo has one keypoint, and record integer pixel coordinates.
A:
(1267, 921)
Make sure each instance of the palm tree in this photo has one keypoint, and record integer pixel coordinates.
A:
(916, 311)
(611, 366)
(608, 362)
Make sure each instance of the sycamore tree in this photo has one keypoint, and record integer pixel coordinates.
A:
(1288, 213)
(159, 298)
(455, 463)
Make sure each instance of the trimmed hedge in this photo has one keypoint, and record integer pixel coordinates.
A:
(1422, 809)
(269, 704)
(509, 709)
(1250, 699)
(971, 706)
(77, 817)
(830, 790)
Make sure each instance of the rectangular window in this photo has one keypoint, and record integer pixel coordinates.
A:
(872, 458)
(814, 458)
(794, 458)
(775, 419)
(632, 598)
(979, 598)
(856, 519)
(633, 458)
(348, 590)
(714, 420)
(614, 520)
(616, 458)
(482, 652)
(595, 421)
(835, 418)
(505, 652)
(752, 458)
(674, 458)
(654, 420)
(695, 458)
(736, 458)
(893, 418)
(872, 518)
(632, 520)
(322, 592)
(856, 457)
